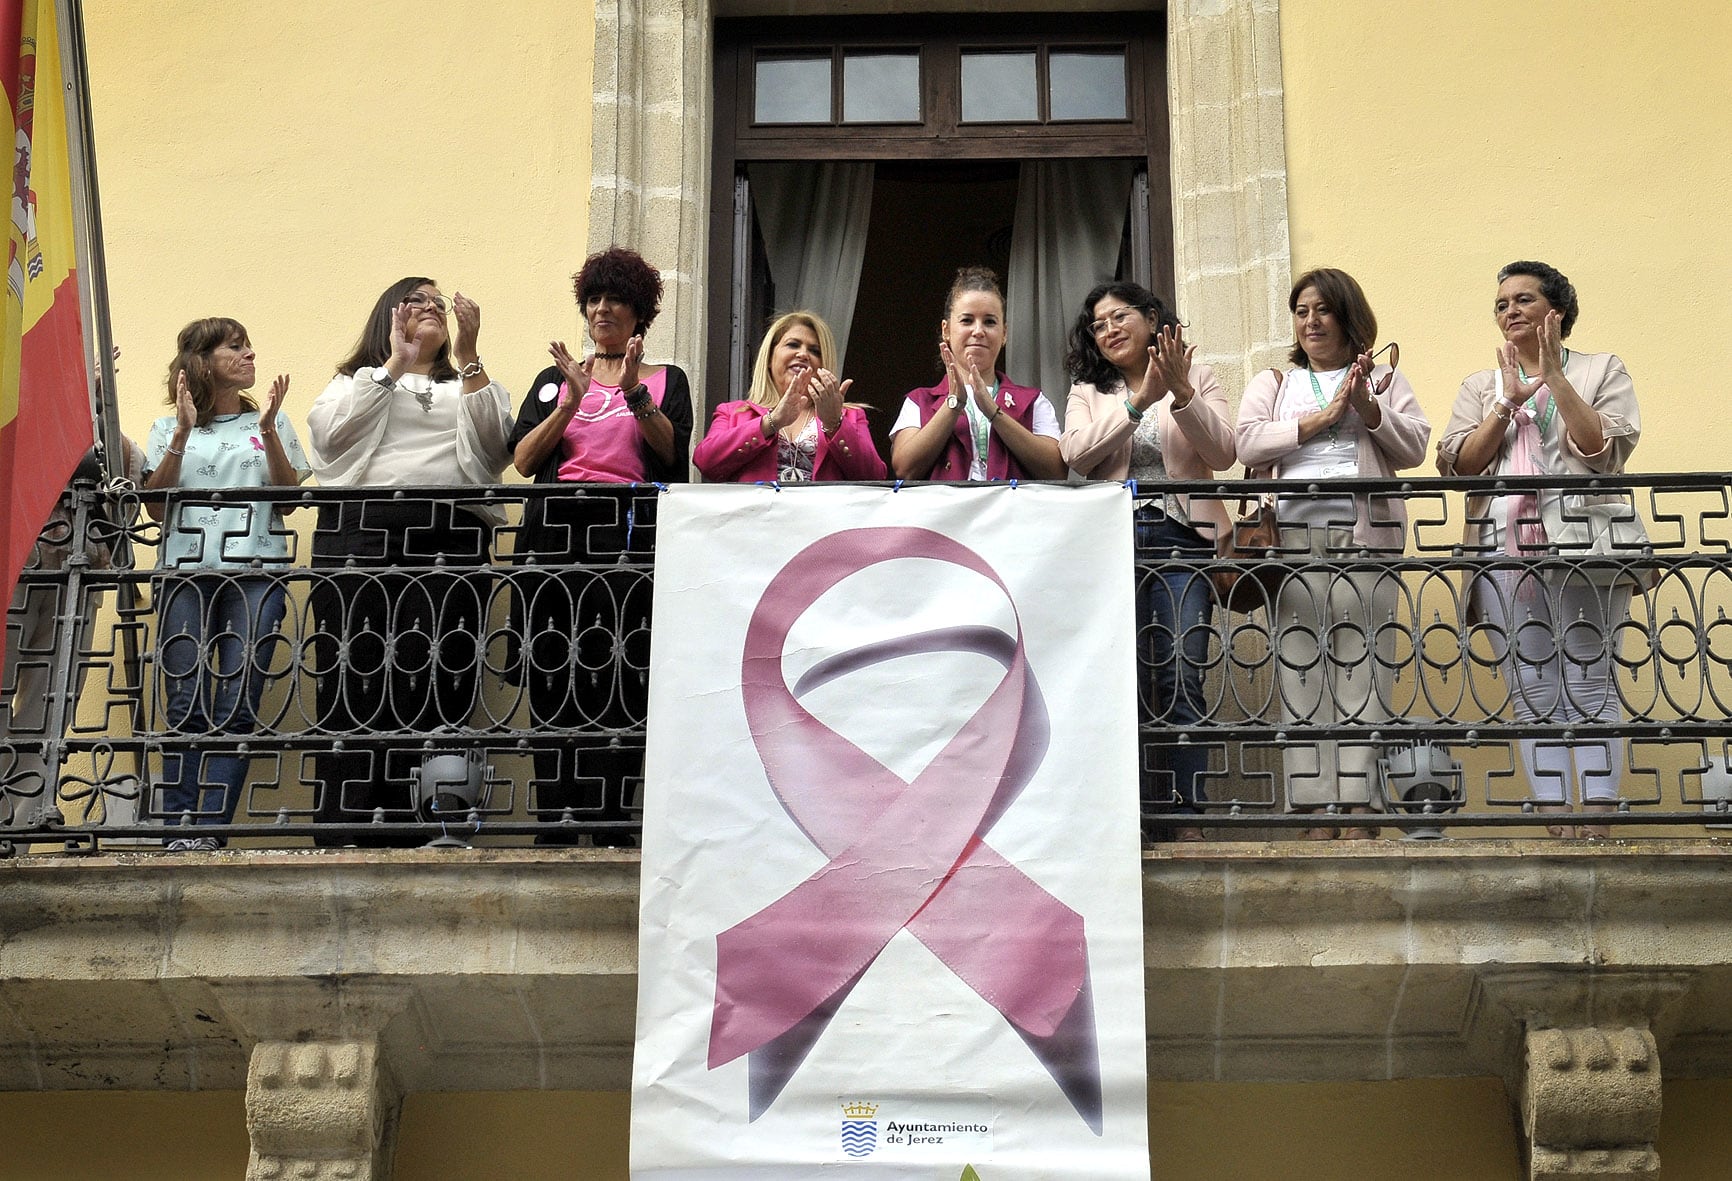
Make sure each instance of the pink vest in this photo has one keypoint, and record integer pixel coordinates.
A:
(1015, 400)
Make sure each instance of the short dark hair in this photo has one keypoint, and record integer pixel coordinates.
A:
(374, 347)
(972, 279)
(1346, 299)
(192, 350)
(1554, 285)
(1084, 361)
(624, 275)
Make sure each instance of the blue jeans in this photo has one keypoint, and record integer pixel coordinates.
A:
(212, 651)
(1174, 605)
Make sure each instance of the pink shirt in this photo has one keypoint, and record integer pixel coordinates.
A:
(602, 443)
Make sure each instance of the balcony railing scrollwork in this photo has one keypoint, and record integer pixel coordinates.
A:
(1459, 683)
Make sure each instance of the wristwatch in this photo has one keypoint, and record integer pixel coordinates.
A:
(382, 376)
(954, 401)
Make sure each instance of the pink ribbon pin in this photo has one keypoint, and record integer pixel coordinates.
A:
(902, 855)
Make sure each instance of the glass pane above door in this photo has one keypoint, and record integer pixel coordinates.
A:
(1000, 88)
(1087, 85)
(881, 87)
(792, 90)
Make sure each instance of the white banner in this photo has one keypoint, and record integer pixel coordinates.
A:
(892, 893)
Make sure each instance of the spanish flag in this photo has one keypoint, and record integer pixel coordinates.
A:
(45, 418)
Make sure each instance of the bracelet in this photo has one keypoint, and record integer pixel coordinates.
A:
(637, 400)
(993, 417)
(1513, 406)
(172, 451)
(1135, 414)
(475, 368)
(1502, 414)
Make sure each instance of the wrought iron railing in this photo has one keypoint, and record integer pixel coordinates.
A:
(439, 674)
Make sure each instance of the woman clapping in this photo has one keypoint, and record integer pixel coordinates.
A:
(1337, 415)
(795, 425)
(215, 624)
(976, 424)
(408, 406)
(1549, 410)
(581, 594)
(1142, 409)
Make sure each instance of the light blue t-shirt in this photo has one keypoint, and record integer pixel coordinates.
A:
(227, 453)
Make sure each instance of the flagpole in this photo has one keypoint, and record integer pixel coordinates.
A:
(87, 214)
(99, 330)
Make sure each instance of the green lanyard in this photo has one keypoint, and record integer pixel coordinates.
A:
(1323, 403)
(977, 423)
(1551, 410)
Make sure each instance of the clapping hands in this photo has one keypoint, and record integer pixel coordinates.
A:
(409, 345)
(969, 381)
(576, 373)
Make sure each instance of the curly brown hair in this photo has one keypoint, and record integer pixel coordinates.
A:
(624, 275)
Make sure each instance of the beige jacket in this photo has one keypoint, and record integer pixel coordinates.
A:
(1398, 442)
(1196, 442)
(1603, 383)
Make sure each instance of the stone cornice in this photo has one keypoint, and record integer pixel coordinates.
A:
(517, 968)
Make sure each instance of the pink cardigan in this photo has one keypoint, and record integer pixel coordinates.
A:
(1196, 442)
(734, 448)
(1398, 442)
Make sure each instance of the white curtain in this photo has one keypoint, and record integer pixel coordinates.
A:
(1070, 217)
(814, 218)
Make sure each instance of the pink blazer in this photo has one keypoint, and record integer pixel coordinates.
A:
(1196, 442)
(734, 448)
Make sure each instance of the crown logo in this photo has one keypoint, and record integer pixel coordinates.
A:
(859, 1110)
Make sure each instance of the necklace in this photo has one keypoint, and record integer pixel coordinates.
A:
(610, 356)
(422, 396)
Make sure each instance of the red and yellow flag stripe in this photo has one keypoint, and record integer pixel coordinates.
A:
(45, 422)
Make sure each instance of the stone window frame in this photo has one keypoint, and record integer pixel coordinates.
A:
(651, 182)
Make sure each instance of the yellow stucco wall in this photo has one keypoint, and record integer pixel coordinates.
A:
(284, 163)
(1421, 1130)
(1429, 144)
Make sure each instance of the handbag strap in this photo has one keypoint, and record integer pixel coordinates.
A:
(1264, 498)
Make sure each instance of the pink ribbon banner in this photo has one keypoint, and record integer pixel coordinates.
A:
(902, 856)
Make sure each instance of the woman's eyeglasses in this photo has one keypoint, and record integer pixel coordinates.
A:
(1113, 319)
(1394, 351)
(420, 299)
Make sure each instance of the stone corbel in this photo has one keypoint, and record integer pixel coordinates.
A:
(322, 1103)
(1590, 1103)
(1577, 1051)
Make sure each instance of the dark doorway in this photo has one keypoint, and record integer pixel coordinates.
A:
(928, 219)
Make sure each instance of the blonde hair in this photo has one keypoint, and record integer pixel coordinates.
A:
(764, 391)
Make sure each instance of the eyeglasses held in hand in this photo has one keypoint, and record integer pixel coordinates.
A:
(1394, 351)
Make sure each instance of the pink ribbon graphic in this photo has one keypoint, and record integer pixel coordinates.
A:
(902, 855)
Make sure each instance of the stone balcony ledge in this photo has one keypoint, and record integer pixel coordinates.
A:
(509, 969)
